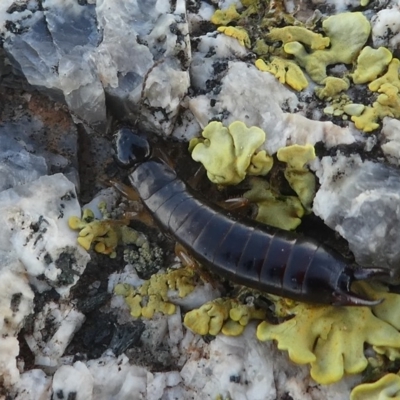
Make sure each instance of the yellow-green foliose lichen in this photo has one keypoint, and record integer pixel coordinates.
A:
(238, 33)
(388, 102)
(224, 17)
(298, 34)
(227, 153)
(228, 316)
(104, 234)
(283, 49)
(333, 86)
(331, 339)
(284, 212)
(386, 388)
(285, 71)
(370, 64)
(348, 33)
(152, 296)
(301, 180)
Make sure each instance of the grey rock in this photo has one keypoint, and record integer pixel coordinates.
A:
(124, 50)
(361, 201)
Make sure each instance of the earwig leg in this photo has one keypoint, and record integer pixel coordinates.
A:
(368, 273)
(130, 193)
(195, 180)
(352, 299)
(126, 191)
(143, 216)
(184, 256)
(188, 261)
(157, 152)
(234, 203)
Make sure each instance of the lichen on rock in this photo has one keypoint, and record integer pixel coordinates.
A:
(226, 153)
(331, 339)
(227, 316)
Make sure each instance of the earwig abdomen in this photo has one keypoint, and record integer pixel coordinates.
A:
(261, 257)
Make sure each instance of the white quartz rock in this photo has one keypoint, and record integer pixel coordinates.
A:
(16, 300)
(386, 28)
(391, 139)
(33, 384)
(242, 96)
(73, 382)
(211, 50)
(36, 247)
(116, 378)
(361, 201)
(235, 367)
(9, 350)
(34, 227)
(16, 303)
(54, 328)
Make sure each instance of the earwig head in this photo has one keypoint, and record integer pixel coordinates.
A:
(131, 147)
(345, 297)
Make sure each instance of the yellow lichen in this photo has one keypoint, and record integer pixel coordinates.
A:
(370, 64)
(238, 33)
(388, 102)
(333, 86)
(331, 339)
(386, 388)
(101, 233)
(354, 109)
(301, 180)
(224, 17)
(228, 316)
(348, 32)
(368, 120)
(261, 163)
(337, 106)
(285, 71)
(227, 153)
(104, 234)
(273, 209)
(391, 77)
(298, 34)
(152, 296)
(296, 157)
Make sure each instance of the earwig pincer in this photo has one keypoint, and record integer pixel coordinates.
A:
(248, 253)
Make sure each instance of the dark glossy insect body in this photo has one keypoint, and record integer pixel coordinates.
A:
(252, 254)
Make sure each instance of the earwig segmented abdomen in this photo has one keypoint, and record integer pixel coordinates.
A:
(251, 254)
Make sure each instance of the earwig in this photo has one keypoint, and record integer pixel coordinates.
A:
(248, 253)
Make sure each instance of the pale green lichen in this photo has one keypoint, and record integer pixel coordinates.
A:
(348, 33)
(330, 339)
(333, 86)
(388, 102)
(284, 212)
(301, 180)
(298, 34)
(386, 388)
(228, 153)
(370, 64)
(104, 234)
(224, 17)
(260, 29)
(238, 33)
(354, 109)
(337, 105)
(152, 296)
(285, 71)
(228, 316)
